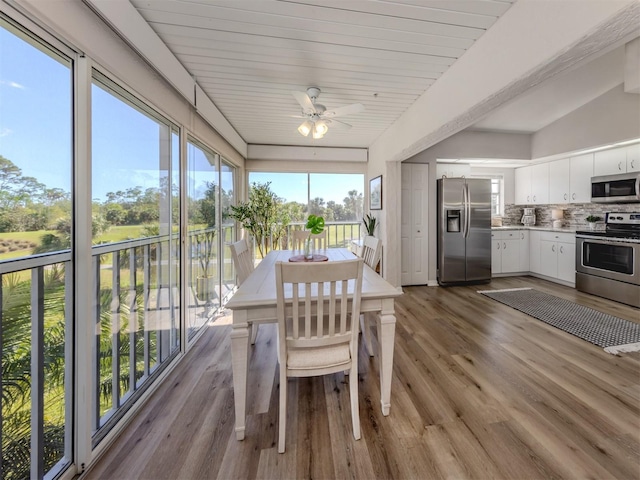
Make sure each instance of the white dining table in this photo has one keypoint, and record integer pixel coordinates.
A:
(255, 302)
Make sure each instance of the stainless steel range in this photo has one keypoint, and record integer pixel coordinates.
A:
(608, 262)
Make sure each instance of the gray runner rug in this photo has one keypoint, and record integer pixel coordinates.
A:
(615, 334)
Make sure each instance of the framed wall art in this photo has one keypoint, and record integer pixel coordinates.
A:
(375, 193)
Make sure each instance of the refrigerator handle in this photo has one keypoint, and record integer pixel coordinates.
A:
(467, 209)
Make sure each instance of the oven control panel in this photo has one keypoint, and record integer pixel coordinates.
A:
(623, 218)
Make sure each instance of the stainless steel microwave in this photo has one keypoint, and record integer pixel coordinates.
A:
(619, 188)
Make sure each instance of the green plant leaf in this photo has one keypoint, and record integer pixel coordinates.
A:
(315, 224)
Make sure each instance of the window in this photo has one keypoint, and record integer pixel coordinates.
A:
(35, 218)
(136, 247)
(338, 197)
(497, 193)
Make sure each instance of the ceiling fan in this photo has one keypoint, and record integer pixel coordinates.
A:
(317, 117)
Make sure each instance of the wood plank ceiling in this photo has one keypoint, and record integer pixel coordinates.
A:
(248, 55)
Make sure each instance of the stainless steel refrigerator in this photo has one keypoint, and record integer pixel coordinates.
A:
(464, 231)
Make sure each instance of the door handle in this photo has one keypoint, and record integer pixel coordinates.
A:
(561, 251)
(534, 198)
(498, 245)
(504, 246)
(573, 197)
(553, 248)
(632, 163)
(522, 236)
(619, 165)
(565, 196)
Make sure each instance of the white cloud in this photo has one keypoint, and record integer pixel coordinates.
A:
(12, 84)
(5, 132)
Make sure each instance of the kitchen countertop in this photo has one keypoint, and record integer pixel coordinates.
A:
(538, 227)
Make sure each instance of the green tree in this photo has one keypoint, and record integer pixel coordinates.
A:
(261, 215)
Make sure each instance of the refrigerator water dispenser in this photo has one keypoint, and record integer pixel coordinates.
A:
(453, 220)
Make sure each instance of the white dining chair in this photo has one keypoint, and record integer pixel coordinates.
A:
(318, 327)
(370, 253)
(299, 236)
(297, 239)
(243, 262)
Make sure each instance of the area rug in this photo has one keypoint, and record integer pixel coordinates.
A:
(614, 334)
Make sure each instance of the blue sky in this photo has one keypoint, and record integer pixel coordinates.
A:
(36, 133)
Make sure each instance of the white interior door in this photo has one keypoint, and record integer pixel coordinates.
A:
(414, 227)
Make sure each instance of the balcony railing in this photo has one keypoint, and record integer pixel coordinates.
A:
(136, 313)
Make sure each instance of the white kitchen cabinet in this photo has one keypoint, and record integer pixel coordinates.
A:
(557, 256)
(567, 261)
(580, 178)
(453, 170)
(540, 184)
(610, 162)
(523, 186)
(524, 251)
(534, 251)
(507, 250)
(559, 181)
(633, 158)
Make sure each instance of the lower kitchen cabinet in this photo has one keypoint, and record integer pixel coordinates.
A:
(557, 256)
(507, 250)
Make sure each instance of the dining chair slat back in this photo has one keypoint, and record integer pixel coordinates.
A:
(370, 253)
(299, 236)
(243, 262)
(318, 307)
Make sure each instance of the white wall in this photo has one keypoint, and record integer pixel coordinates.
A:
(610, 118)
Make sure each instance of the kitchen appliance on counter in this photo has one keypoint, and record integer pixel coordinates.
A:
(608, 262)
(464, 231)
(529, 217)
(619, 188)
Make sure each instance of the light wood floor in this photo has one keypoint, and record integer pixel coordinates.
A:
(479, 391)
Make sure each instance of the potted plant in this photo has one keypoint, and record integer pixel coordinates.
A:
(315, 225)
(261, 216)
(370, 224)
(591, 220)
(204, 242)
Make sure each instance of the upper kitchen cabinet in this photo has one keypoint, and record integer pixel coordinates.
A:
(610, 162)
(540, 183)
(570, 179)
(559, 182)
(532, 184)
(633, 158)
(523, 185)
(581, 171)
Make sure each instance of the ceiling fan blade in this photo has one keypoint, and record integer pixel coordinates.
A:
(338, 124)
(298, 116)
(346, 110)
(304, 101)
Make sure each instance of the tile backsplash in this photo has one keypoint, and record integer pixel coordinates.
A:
(574, 213)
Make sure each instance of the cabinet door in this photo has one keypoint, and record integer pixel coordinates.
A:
(580, 178)
(496, 256)
(540, 183)
(549, 258)
(633, 158)
(523, 186)
(524, 250)
(567, 262)
(534, 251)
(559, 184)
(610, 162)
(510, 255)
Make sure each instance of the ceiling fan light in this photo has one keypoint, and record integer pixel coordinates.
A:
(305, 127)
(320, 129)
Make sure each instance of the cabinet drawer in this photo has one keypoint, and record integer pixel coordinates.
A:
(506, 234)
(558, 237)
